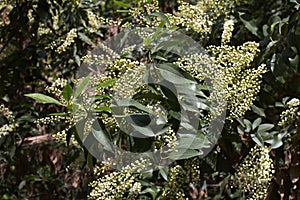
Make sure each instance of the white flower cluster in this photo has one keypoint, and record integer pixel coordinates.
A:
(130, 81)
(55, 20)
(5, 129)
(292, 114)
(72, 34)
(157, 110)
(136, 188)
(200, 66)
(42, 30)
(88, 126)
(7, 113)
(102, 57)
(227, 32)
(198, 17)
(254, 174)
(173, 189)
(192, 170)
(100, 60)
(56, 86)
(234, 59)
(244, 90)
(116, 184)
(62, 137)
(108, 51)
(242, 84)
(144, 7)
(127, 50)
(53, 119)
(203, 68)
(192, 16)
(166, 142)
(56, 89)
(5, 8)
(30, 17)
(95, 21)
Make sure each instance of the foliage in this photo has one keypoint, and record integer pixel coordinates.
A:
(40, 41)
(253, 47)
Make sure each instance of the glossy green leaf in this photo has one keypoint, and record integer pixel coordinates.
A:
(43, 98)
(248, 125)
(250, 25)
(103, 109)
(258, 111)
(164, 171)
(174, 78)
(256, 123)
(190, 141)
(67, 92)
(107, 83)
(256, 137)
(184, 153)
(276, 139)
(265, 127)
(129, 103)
(102, 138)
(83, 84)
(85, 38)
(122, 4)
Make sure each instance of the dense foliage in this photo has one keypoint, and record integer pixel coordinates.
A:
(48, 120)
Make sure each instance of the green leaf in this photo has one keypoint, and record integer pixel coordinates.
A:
(131, 103)
(139, 119)
(77, 60)
(147, 131)
(122, 11)
(103, 109)
(147, 41)
(164, 171)
(85, 38)
(90, 162)
(176, 115)
(248, 125)
(258, 111)
(250, 25)
(174, 78)
(191, 141)
(22, 184)
(58, 114)
(67, 92)
(122, 4)
(211, 160)
(184, 154)
(73, 130)
(159, 58)
(256, 123)
(256, 137)
(153, 190)
(276, 139)
(43, 98)
(82, 86)
(265, 127)
(102, 138)
(107, 83)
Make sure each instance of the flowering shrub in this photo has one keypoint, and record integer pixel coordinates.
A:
(94, 119)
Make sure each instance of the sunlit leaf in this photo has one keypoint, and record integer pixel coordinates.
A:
(43, 98)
